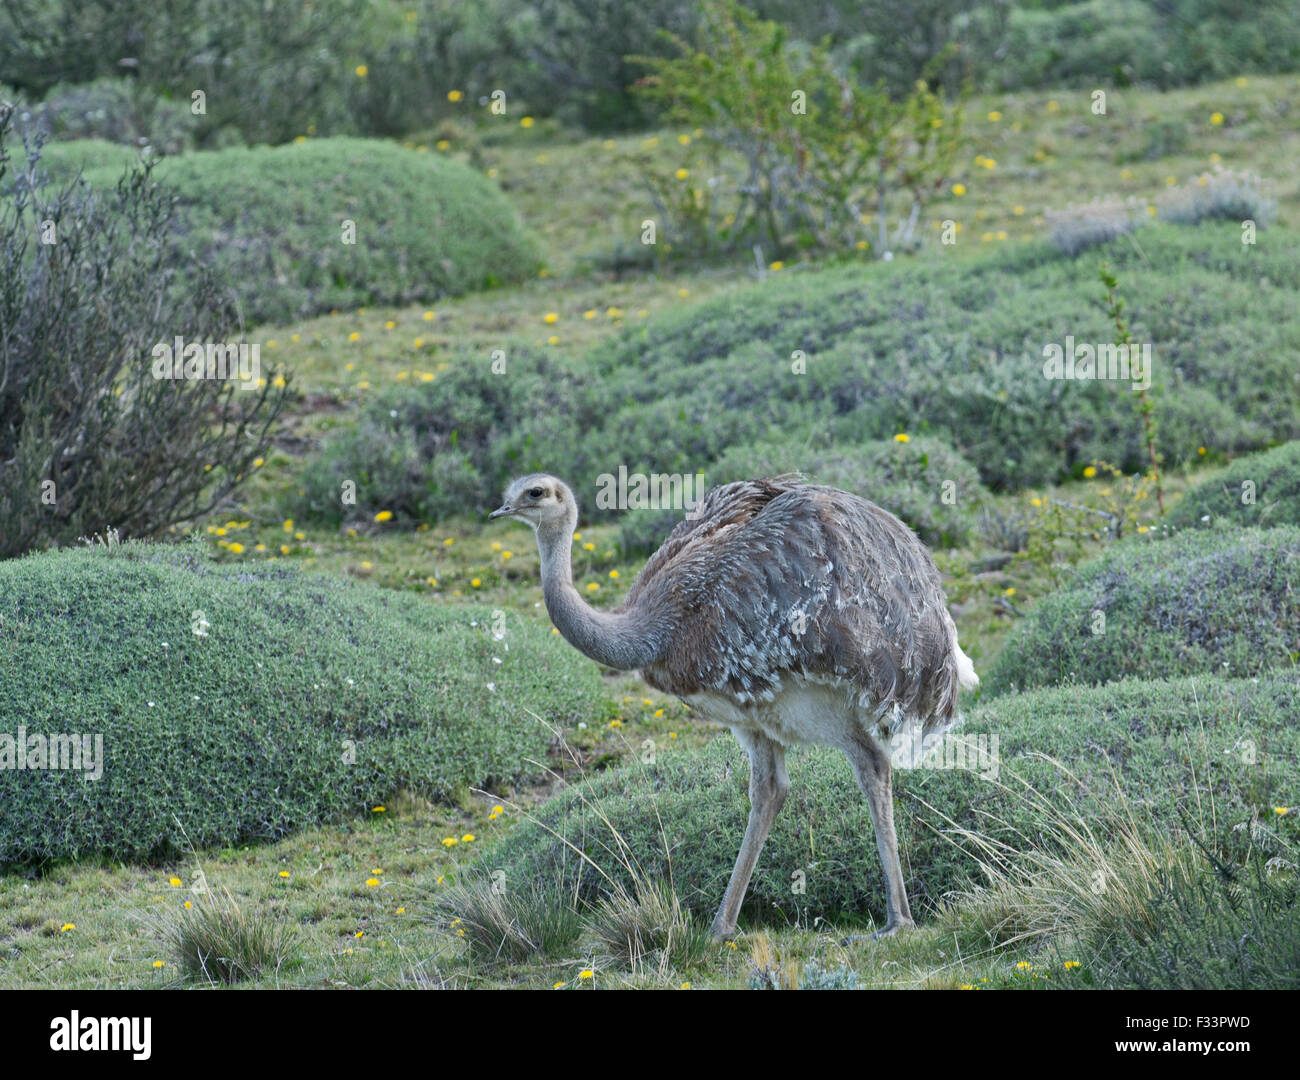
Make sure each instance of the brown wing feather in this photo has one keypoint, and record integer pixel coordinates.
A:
(778, 576)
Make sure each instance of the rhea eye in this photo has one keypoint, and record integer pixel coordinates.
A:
(535, 493)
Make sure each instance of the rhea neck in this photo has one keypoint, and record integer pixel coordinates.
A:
(616, 641)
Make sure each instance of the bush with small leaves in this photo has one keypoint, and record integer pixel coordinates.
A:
(1258, 489)
(1225, 601)
(243, 700)
(1224, 195)
(336, 223)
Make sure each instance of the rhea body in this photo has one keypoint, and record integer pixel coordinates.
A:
(791, 613)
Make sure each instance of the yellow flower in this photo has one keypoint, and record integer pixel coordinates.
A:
(476, 582)
(550, 317)
(613, 574)
(1281, 811)
(1009, 592)
(592, 586)
(238, 549)
(372, 882)
(468, 838)
(354, 336)
(995, 116)
(672, 734)
(1053, 106)
(449, 841)
(685, 140)
(959, 189)
(160, 963)
(362, 71)
(449, 541)
(175, 882)
(1216, 118)
(379, 810)
(586, 973)
(284, 549)
(1035, 502)
(1071, 964)
(682, 174)
(429, 316)
(778, 265)
(589, 546)
(1202, 451)
(552, 340)
(526, 122)
(559, 986)
(1089, 472)
(902, 437)
(67, 926)
(1240, 80)
(1024, 965)
(659, 712)
(384, 515)
(454, 95)
(507, 554)
(258, 462)
(284, 873)
(683, 293)
(443, 144)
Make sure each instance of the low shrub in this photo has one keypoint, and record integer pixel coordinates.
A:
(1223, 195)
(273, 221)
(1259, 489)
(1078, 228)
(433, 450)
(239, 702)
(117, 111)
(90, 439)
(1226, 602)
(681, 817)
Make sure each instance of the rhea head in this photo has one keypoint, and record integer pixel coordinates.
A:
(539, 499)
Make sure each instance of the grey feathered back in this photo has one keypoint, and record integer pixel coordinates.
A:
(780, 576)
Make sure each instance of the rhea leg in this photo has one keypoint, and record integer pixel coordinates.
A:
(768, 787)
(871, 765)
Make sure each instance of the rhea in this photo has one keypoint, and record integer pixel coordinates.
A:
(789, 612)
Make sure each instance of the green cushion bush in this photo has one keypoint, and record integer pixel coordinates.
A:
(956, 350)
(305, 698)
(271, 219)
(62, 160)
(1171, 743)
(1259, 489)
(950, 351)
(1225, 602)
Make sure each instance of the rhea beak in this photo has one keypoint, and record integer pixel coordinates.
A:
(501, 511)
